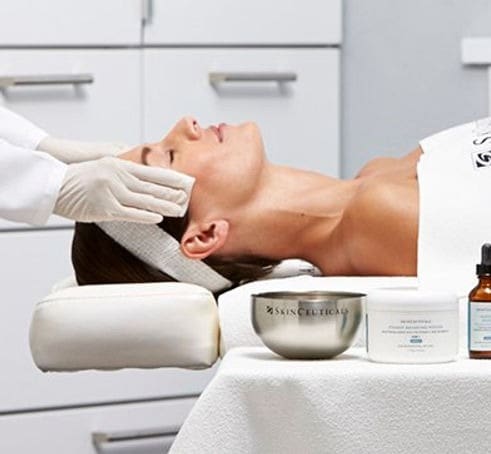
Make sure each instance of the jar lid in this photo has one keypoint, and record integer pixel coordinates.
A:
(407, 299)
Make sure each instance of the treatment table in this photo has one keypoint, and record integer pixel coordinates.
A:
(259, 402)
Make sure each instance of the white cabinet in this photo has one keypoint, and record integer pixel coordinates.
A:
(251, 22)
(130, 82)
(139, 428)
(66, 23)
(477, 52)
(30, 262)
(299, 116)
(102, 100)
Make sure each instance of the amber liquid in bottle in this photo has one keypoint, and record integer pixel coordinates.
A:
(480, 309)
(481, 294)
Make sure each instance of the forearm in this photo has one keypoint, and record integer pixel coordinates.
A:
(71, 151)
(19, 131)
(30, 182)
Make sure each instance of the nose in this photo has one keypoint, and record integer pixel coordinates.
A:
(191, 128)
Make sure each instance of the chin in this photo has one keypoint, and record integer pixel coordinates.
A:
(252, 128)
(253, 135)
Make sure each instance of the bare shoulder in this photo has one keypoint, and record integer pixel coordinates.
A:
(377, 166)
(382, 224)
(384, 196)
(412, 158)
(405, 165)
(382, 203)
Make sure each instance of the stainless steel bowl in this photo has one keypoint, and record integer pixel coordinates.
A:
(314, 324)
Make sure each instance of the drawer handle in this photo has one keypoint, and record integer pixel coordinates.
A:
(99, 438)
(48, 79)
(147, 12)
(218, 77)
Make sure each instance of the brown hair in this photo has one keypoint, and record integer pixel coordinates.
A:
(98, 259)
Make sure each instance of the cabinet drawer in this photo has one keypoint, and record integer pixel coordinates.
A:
(30, 263)
(106, 109)
(53, 221)
(252, 22)
(299, 119)
(62, 23)
(142, 428)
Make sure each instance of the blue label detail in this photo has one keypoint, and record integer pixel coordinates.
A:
(416, 341)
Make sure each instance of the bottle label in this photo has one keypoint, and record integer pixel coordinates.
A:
(479, 326)
(412, 336)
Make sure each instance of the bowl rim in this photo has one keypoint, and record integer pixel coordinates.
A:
(291, 295)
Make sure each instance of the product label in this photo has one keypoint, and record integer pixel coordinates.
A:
(479, 326)
(412, 335)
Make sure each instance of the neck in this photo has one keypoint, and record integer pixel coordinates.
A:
(294, 214)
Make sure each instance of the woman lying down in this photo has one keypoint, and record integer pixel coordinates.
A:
(246, 214)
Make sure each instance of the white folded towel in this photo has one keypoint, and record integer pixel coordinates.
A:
(454, 176)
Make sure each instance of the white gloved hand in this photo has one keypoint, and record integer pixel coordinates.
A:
(70, 151)
(112, 189)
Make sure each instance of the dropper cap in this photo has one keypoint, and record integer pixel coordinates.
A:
(485, 266)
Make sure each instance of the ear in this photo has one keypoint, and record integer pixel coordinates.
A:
(202, 239)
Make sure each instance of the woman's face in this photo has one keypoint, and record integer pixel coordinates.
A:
(225, 160)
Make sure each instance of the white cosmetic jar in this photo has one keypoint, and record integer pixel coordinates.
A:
(407, 325)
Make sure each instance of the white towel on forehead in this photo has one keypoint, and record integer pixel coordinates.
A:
(155, 247)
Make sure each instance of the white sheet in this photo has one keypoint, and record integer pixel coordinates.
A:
(260, 403)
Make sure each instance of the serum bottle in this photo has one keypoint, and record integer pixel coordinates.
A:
(480, 309)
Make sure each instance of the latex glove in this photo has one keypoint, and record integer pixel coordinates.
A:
(111, 189)
(70, 151)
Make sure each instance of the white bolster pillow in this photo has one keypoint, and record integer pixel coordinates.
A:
(113, 326)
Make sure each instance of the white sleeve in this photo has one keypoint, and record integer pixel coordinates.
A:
(19, 131)
(29, 184)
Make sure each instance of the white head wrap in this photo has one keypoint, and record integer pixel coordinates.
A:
(155, 247)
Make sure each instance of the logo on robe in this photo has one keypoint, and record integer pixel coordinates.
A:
(481, 159)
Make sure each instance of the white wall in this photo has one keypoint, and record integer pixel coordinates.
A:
(402, 76)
